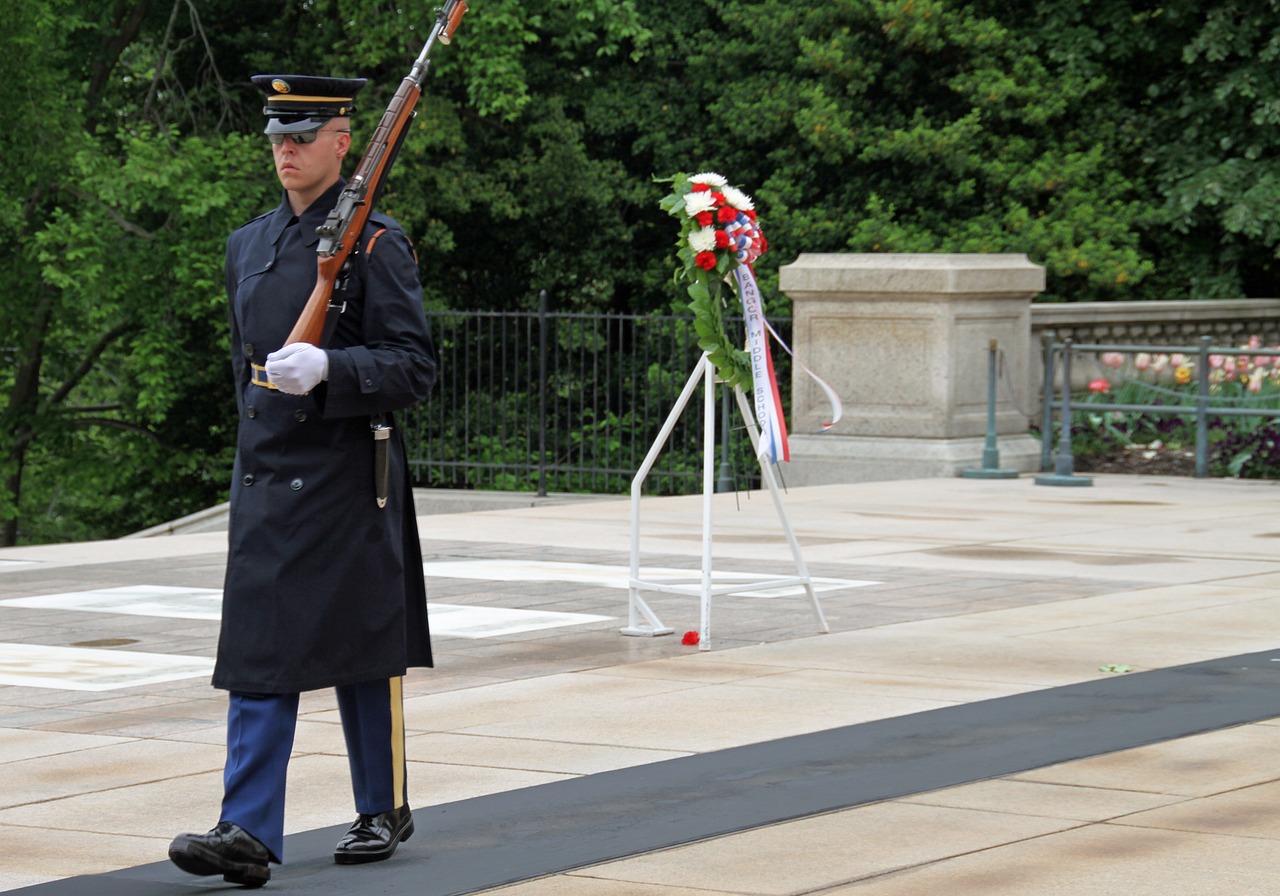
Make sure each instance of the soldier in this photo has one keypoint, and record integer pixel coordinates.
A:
(324, 584)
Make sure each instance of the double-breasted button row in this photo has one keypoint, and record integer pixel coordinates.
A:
(300, 415)
(296, 483)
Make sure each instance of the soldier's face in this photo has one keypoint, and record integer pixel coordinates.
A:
(307, 167)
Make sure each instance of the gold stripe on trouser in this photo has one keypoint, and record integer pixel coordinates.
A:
(397, 740)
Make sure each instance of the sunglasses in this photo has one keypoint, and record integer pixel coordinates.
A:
(306, 136)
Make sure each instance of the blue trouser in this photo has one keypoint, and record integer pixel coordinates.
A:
(260, 731)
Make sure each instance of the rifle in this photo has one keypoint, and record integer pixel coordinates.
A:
(340, 233)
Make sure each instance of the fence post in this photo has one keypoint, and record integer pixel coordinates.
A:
(542, 393)
(1202, 410)
(1064, 467)
(724, 483)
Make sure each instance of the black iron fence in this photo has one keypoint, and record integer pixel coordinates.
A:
(568, 402)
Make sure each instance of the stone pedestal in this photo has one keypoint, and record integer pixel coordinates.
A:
(904, 340)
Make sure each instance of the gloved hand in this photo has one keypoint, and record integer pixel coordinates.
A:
(298, 368)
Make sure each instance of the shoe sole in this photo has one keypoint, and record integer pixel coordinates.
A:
(360, 858)
(202, 862)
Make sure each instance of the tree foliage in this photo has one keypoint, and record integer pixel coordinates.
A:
(1127, 145)
(120, 199)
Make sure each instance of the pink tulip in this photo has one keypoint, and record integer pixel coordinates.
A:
(1112, 359)
(1100, 385)
(1142, 360)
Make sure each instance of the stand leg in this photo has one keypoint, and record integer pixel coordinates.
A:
(708, 489)
(636, 605)
(766, 472)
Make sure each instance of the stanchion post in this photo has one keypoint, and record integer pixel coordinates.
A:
(1046, 410)
(990, 450)
(1064, 465)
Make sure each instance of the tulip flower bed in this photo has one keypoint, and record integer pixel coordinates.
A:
(1161, 443)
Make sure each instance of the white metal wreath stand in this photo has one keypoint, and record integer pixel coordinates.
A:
(651, 626)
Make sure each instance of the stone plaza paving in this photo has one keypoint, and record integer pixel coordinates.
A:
(1122, 634)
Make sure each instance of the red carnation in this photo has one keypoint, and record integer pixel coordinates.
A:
(722, 239)
(726, 214)
(690, 638)
(751, 214)
(704, 219)
(705, 260)
(717, 198)
(700, 188)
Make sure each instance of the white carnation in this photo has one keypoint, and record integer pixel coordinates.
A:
(710, 178)
(697, 203)
(738, 199)
(703, 240)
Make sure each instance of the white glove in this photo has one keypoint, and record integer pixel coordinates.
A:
(297, 368)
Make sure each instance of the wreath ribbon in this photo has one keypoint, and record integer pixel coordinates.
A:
(837, 406)
(764, 380)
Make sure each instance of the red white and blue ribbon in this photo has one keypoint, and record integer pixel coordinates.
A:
(768, 400)
(837, 406)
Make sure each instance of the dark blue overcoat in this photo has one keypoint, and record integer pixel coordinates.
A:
(323, 587)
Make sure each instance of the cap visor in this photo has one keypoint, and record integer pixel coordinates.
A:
(294, 126)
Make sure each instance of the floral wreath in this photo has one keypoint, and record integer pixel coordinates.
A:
(718, 233)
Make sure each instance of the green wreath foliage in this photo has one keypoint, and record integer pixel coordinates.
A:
(709, 287)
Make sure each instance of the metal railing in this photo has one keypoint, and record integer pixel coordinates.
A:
(564, 402)
(1202, 406)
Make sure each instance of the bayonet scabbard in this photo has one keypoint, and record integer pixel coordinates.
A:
(381, 461)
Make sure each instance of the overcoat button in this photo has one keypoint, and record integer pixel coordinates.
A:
(247, 479)
(251, 412)
(300, 415)
(248, 349)
(296, 485)
(368, 382)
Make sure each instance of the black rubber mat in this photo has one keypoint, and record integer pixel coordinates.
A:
(489, 841)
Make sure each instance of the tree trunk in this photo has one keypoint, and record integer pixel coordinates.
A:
(21, 411)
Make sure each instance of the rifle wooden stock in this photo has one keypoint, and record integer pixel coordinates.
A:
(453, 15)
(340, 233)
(310, 324)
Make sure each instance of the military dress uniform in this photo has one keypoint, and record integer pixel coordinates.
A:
(324, 587)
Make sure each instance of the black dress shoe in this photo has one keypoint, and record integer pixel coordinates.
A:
(228, 850)
(374, 837)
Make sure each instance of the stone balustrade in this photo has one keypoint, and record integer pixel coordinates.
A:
(905, 341)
